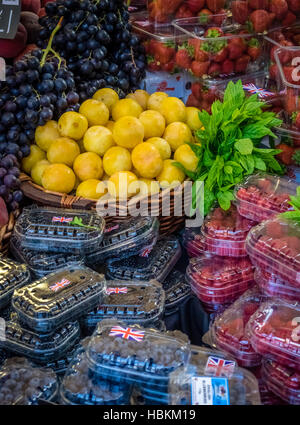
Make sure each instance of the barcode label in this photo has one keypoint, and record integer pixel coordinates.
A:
(209, 391)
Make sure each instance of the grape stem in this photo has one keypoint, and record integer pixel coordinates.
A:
(49, 45)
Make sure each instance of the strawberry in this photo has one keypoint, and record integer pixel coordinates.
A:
(152, 64)
(214, 69)
(286, 154)
(221, 55)
(183, 59)
(201, 55)
(213, 32)
(205, 16)
(294, 5)
(209, 95)
(215, 5)
(254, 49)
(279, 7)
(164, 52)
(199, 68)
(195, 5)
(273, 71)
(289, 19)
(258, 4)
(197, 90)
(169, 67)
(296, 119)
(290, 74)
(284, 55)
(220, 17)
(227, 67)
(240, 11)
(235, 50)
(184, 12)
(206, 106)
(241, 63)
(291, 101)
(260, 20)
(192, 101)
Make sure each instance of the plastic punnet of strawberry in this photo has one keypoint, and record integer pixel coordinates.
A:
(262, 196)
(274, 286)
(274, 332)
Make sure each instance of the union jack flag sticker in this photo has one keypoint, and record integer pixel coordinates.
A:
(116, 290)
(127, 333)
(62, 219)
(58, 285)
(220, 367)
(251, 88)
(146, 251)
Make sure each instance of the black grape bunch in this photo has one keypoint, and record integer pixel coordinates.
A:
(38, 88)
(97, 43)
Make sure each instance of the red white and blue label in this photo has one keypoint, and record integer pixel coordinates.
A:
(219, 367)
(127, 333)
(207, 391)
(117, 290)
(251, 88)
(61, 284)
(62, 219)
(110, 229)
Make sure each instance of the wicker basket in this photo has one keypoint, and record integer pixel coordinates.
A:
(6, 231)
(168, 224)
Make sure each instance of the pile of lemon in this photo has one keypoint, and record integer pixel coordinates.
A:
(138, 138)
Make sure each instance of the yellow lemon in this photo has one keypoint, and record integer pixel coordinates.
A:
(63, 151)
(116, 159)
(46, 134)
(108, 96)
(140, 96)
(96, 112)
(153, 122)
(58, 178)
(110, 125)
(91, 189)
(173, 109)
(98, 139)
(126, 107)
(123, 184)
(176, 134)
(192, 118)
(37, 171)
(73, 125)
(171, 175)
(128, 132)
(147, 160)
(162, 146)
(87, 166)
(155, 100)
(81, 145)
(185, 155)
(148, 187)
(36, 154)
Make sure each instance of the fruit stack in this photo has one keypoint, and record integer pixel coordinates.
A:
(218, 281)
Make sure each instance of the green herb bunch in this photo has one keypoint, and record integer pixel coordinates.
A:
(229, 148)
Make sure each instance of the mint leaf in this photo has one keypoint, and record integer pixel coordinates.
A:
(224, 199)
(259, 163)
(244, 146)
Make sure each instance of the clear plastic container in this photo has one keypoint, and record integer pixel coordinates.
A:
(218, 281)
(23, 384)
(39, 348)
(42, 263)
(12, 276)
(262, 196)
(282, 381)
(274, 286)
(136, 355)
(274, 332)
(228, 330)
(274, 246)
(133, 302)
(58, 298)
(225, 232)
(177, 289)
(154, 264)
(59, 230)
(217, 54)
(126, 238)
(194, 243)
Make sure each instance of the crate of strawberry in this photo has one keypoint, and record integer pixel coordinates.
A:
(262, 15)
(218, 52)
(274, 332)
(164, 11)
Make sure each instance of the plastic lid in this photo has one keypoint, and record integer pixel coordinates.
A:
(132, 302)
(23, 384)
(59, 230)
(274, 332)
(274, 245)
(136, 354)
(282, 381)
(228, 329)
(125, 238)
(78, 387)
(40, 348)
(261, 196)
(59, 297)
(274, 286)
(176, 289)
(150, 264)
(42, 263)
(12, 276)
